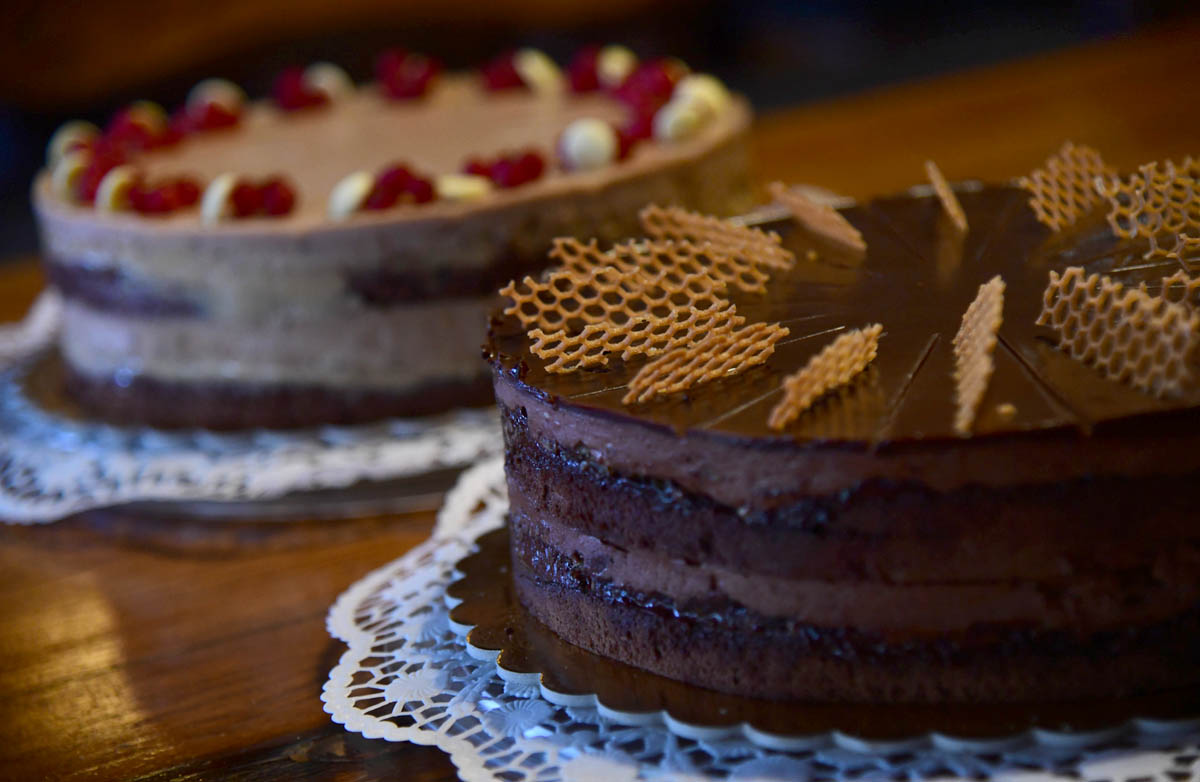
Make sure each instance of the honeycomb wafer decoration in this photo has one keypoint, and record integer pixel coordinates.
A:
(662, 259)
(750, 246)
(973, 347)
(1181, 288)
(716, 355)
(1161, 203)
(647, 335)
(1127, 334)
(945, 194)
(1064, 190)
(819, 218)
(836, 365)
(569, 300)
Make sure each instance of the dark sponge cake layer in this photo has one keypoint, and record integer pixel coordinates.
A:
(947, 632)
(782, 663)
(238, 406)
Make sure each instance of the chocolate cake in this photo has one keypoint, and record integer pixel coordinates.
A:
(871, 550)
(330, 254)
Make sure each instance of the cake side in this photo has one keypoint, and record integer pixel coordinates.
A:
(975, 593)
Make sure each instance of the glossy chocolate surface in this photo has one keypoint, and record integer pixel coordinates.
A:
(916, 278)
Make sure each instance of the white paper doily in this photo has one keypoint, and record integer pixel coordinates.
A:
(407, 676)
(52, 466)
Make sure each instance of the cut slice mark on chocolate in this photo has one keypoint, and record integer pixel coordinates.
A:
(885, 425)
(1057, 400)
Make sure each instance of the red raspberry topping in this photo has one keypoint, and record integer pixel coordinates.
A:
(404, 76)
(278, 196)
(501, 74)
(389, 185)
(105, 157)
(187, 191)
(246, 199)
(650, 85)
(394, 177)
(639, 128)
(477, 167)
(514, 170)
(154, 200)
(212, 115)
(127, 131)
(530, 166)
(582, 73)
(418, 190)
(291, 93)
(388, 62)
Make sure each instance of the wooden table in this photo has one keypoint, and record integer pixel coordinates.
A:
(161, 650)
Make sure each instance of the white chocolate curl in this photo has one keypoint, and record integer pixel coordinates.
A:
(587, 143)
(68, 135)
(538, 71)
(328, 78)
(113, 193)
(348, 195)
(613, 64)
(220, 92)
(462, 187)
(702, 88)
(680, 118)
(214, 205)
(66, 172)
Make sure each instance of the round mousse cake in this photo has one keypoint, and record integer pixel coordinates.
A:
(330, 254)
(872, 548)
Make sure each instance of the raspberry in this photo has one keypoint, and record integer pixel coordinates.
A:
(394, 177)
(388, 63)
(291, 92)
(154, 200)
(187, 191)
(211, 116)
(278, 197)
(639, 128)
(403, 76)
(418, 190)
(581, 73)
(650, 85)
(246, 199)
(501, 74)
(529, 166)
(478, 167)
(126, 132)
(389, 185)
(105, 158)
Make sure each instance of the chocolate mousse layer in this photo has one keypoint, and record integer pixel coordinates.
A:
(869, 553)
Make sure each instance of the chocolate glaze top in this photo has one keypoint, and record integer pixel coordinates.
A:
(916, 278)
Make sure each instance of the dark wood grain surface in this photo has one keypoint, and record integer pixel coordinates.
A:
(154, 649)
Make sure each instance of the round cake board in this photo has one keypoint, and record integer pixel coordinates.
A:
(485, 609)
